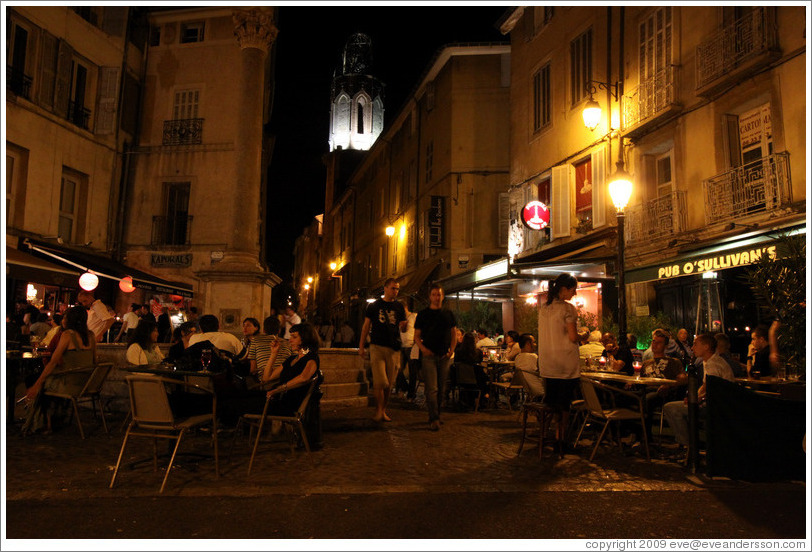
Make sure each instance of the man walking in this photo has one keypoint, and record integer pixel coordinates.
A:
(435, 333)
(383, 322)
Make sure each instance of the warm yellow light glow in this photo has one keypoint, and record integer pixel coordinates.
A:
(88, 281)
(31, 292)
(310, 279)
(307, 286)
(333, 265)
(390, 231)
(402, 232)
(591, 114)
(620, 188)
(532, 300)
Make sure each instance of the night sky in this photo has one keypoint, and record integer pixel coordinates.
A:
(309, 48)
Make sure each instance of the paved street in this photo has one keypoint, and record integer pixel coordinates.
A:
(394, 480)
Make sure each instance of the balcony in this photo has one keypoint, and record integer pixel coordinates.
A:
(658, 218)
(183, 132)
(18, 83)
(78, 115)
(651, 102)
(757, 187)
(737, 50)
(174, 230)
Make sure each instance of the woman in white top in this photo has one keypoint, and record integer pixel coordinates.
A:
(144, 345)
(558, 349)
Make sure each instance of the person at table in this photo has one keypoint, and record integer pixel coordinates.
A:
(512, 347)
(637, 354)
(210, 331)
(593, 348)
(618, 359)
(76, 348)
(435, 335)
(468, 353)
(250, 329)
(180, 339)
(143, 347)
(99, 319)
(558, 350)
(676, 412)
(41, 327)
(758, 353)
(261, 348)
(723, 350)
(129, 323)
(527, 359)
(681, 347)
(483, 340)
(53, 333)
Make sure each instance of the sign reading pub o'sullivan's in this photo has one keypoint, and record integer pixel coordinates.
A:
(717, 262)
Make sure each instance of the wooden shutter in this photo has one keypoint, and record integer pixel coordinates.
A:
(108, 100)
(504, 218)
(63, 78)
(47, 82)
(599, 188)
(560, 210)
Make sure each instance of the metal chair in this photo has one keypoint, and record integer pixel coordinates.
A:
(90, 392)
(294, 424)
(533, 387)
(153, 417)
(596, 411)
(509, 388)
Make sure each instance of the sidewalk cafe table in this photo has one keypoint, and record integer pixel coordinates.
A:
(641, 383)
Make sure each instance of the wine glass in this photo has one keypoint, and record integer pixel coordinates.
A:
(205, 359)
(636, 365)
(35, 345)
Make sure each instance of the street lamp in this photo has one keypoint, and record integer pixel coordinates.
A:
(620, 189)
(592, 109)
(390, 231)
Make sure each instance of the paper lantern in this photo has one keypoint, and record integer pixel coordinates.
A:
(126, 284)
(88, 281)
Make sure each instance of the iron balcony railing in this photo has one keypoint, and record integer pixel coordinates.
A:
(174, 230)
(653, 97)
(78, 115)
(664, 216)
(18, 83)
(181, 132)
(758, 186)
(735, 45)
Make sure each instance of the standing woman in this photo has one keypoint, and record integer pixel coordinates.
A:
(143, 347)
(76, 348)
(558, 350)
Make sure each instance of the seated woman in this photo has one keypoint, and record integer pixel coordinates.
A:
(250, 331)
(512, 345)
(143, 347)
(468, 353)
(76, 348)
(180, 340)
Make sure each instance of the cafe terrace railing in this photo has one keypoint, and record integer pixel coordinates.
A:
(652, 97)
(735, 45)
(171, 230)
(759, 186)
(183, 132)
(18, 83)
(658, 218)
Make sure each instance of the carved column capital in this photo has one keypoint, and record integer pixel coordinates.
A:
(254, 28)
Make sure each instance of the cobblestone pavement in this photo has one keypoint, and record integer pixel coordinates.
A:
(473, 452)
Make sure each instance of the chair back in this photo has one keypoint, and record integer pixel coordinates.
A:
(150, 402)
(465, 374)
(94, 383)
(531, 381)
(300, 412)
(593, 403)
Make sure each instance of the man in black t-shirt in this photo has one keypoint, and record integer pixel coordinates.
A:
(618, 359)
(758, 354)
(435, 335)
(385, 319)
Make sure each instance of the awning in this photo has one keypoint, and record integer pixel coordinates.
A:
(23, 266)
(418, 277)
(106, 268)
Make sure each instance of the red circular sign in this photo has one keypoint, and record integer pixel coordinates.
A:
(536, 215)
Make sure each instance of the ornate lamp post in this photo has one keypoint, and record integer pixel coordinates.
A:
(620, 189)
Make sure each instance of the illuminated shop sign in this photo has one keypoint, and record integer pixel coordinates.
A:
(716, 262)
(536, 215)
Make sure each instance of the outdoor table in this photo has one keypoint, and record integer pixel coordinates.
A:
(495, 368)
(19, 365)
(767, 383)
(641, 381)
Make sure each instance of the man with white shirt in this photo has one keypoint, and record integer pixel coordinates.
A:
(210, 331)
(483, 340)
(99, 318)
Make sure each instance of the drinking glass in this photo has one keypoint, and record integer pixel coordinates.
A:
(35, 345)
(205, 359)
(637, 365)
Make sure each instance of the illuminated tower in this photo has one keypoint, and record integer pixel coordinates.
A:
(356, 99)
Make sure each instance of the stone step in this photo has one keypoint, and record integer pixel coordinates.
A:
(338, 390)
(332, 376)
(345, 402)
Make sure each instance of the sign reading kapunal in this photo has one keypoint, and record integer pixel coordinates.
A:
(536, 215)
(179, 259)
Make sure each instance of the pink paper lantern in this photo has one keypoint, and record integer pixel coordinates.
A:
(126, 284)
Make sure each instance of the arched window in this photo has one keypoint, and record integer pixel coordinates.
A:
(360, 126)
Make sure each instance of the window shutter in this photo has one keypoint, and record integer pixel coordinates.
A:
(504, 218)
(599, 188)
(47, 81)
(108, 94)
(560, 211)
(63, 79)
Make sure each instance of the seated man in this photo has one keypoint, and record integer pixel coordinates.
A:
(676, 412)
(758, 354)
(593, 347)
(723, 350)
(618, 359)
(210, 331)
(527, 360)
(483, 340)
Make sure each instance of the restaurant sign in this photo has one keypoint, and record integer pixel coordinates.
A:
(175, 259)
(536, 215)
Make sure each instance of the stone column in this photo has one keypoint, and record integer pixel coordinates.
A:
(255, 32)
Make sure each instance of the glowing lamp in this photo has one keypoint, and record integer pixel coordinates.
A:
(310, 279)
(126, 284)
(307, 286)
(390, 231)
(88, 281)
(620, 187)
(333, 266)
(591, 114)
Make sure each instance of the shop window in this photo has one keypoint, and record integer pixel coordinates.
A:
(580, 66)
(72, 200)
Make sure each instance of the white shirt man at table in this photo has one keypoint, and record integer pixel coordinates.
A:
(483, 340)
(527, 360)
(676, 412)
(210, 331)
(99, 318)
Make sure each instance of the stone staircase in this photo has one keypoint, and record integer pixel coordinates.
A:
(345, 379)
